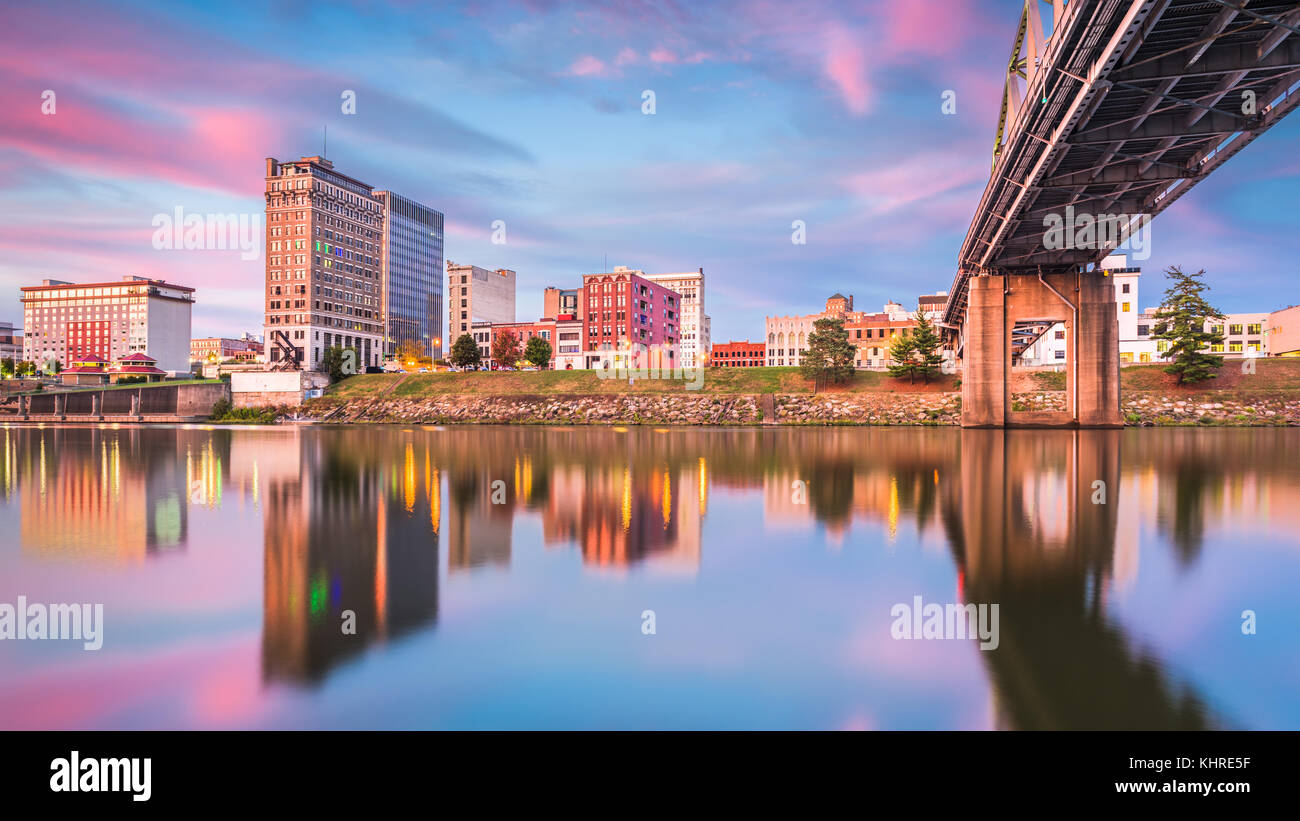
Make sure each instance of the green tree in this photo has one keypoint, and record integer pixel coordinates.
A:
(465, 352)
(505, 349)
(1181, 322)
(830, 354)
(925, 355)
(538, 351)
(902, 356)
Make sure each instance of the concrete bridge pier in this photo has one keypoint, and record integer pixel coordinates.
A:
(1085, 303)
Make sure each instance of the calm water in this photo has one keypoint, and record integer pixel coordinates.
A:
(226, 558)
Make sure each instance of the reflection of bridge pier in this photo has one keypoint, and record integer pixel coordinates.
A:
(1034, 542)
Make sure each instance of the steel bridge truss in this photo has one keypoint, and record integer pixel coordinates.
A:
(1116, 114)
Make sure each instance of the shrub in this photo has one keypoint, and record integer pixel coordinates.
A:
(221, 407)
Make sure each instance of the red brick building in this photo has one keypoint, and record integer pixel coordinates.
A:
(626, 314)
(486, 334)
(744, 354)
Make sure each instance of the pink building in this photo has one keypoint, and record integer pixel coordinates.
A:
(626, 314)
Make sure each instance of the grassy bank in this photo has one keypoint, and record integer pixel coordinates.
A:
(583, 383)
(1272, 377)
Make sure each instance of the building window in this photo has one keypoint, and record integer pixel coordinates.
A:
(1125, 287)
(1125, 307)
(1143, 330)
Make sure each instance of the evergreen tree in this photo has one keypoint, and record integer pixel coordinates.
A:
(465, 352)
(1181, 322)
(927, 346)
(538, 351)
(902, 356)
(830, 354)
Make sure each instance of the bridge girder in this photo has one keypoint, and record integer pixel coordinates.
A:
(1130, 104)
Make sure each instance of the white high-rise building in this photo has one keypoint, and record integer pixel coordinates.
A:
(694, 330)
(66, 322)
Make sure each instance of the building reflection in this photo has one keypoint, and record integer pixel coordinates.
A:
(350, 551)
(98, 493)
(621, 497)
(352, 517)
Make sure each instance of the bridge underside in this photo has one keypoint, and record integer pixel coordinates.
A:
(1105, 123)
(1085, 304)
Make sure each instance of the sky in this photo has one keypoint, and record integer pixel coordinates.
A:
(532, 114)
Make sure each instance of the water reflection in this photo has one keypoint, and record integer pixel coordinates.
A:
(352, 519)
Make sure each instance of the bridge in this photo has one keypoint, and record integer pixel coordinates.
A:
(1106, 120)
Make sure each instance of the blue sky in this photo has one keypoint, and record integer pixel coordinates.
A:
(531, 113)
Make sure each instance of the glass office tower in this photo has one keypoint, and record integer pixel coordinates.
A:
(413, 271)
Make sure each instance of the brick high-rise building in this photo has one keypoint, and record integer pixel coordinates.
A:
(324, 286)
(626, 312)
(476, 294)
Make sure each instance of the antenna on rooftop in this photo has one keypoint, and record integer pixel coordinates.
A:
(324, 150)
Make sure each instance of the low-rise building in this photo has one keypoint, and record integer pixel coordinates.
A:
(11, 343)
(219, 349)
(787, 336)
(1282, 332)
(872, 334)
(568, 354)
(743, 354)
(522, 332)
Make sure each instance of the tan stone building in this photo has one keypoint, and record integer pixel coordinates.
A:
(476, 294)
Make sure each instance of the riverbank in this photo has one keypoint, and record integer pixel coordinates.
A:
(755, 396)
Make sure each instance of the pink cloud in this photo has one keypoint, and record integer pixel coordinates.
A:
(662, 55)
(626, 57)
(846, 67)
(587, 66)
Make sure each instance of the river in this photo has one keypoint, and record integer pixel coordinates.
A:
(538, 577)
